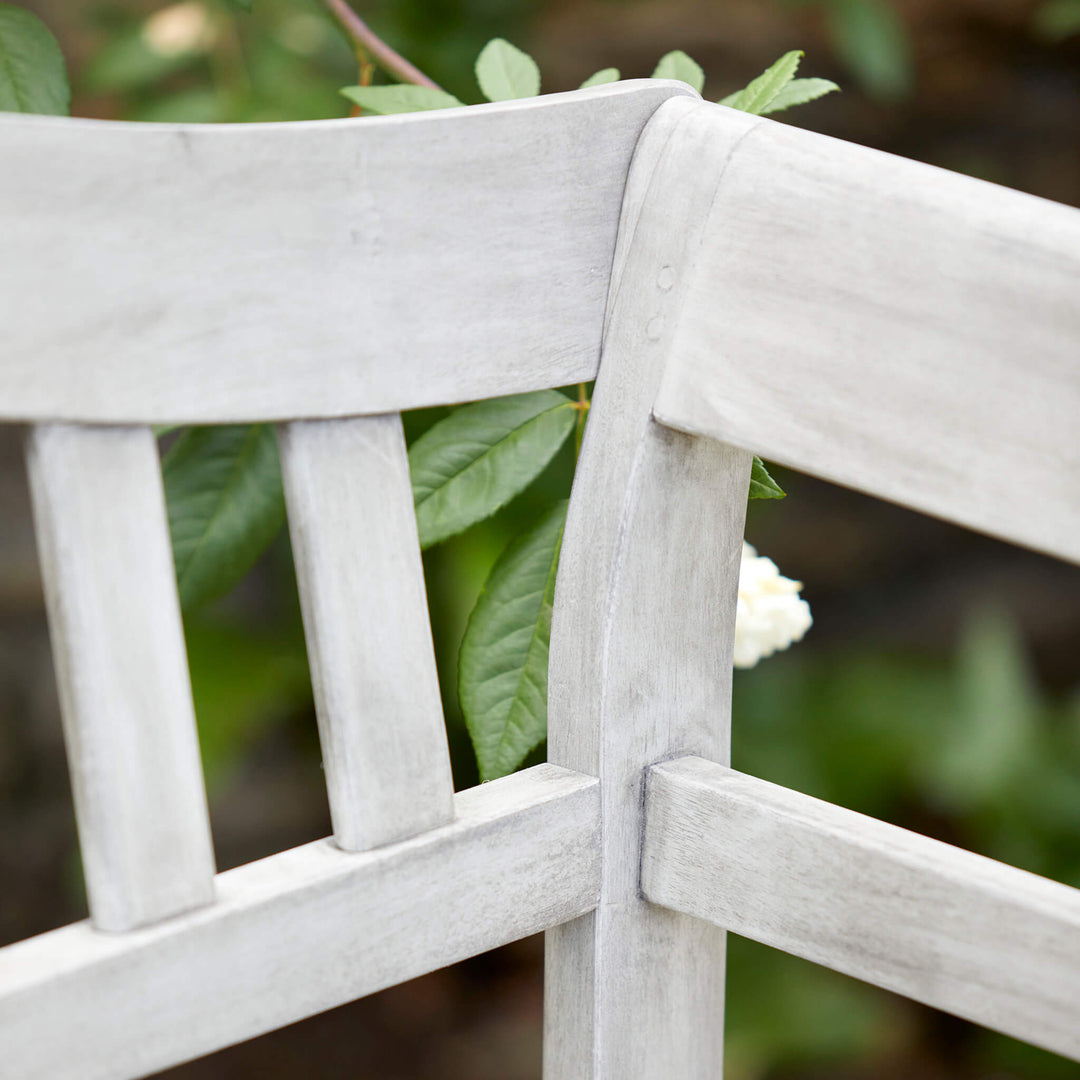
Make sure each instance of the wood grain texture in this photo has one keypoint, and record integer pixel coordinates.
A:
(301, 932)
(974, 937)
(121, 667)
(890, 326)
(210, 273)
(362, 594)
(641, 650)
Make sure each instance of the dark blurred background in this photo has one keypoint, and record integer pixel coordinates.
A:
(939, 688)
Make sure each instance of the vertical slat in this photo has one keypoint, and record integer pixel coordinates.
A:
(361, 582)
(642, 639)
(118, 647)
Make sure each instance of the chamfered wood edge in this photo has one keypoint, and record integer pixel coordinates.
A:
(301, 932)
(988, 942)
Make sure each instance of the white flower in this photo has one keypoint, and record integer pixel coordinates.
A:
(770, 614)
(179, 29)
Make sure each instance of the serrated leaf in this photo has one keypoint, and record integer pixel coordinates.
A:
(482, 455)
(757, 96)
(606, 75)
(225, 501)
(399, 98)
(762, 485)
(33, 78)
(503, 663)
(677, 65)
(504, 72)
(871, 39)
(800, 92)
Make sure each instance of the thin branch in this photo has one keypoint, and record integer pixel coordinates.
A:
(363, 37)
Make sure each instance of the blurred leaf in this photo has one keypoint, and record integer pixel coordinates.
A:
(502, 678)
(225, 500)
(399, 98)
(241, 5)
(466, 466)
(677, 65)
(870, 38)
(198, 106)
(504, 72)
(762, 485)
(800, 92)
(786, 1015)
(1056, 20)
(607, 75)
(759, 96)
(244, 680)
(991, 742)
(126, 62)
(33, 78)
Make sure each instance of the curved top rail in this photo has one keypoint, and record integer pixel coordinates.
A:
(887, 325)
(158, 273)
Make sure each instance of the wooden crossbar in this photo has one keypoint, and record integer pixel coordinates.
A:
(301, 932)
(886, 325)
(963, 933)
(210, 273)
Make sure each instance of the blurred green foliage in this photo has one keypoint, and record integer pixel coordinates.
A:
(962, 747)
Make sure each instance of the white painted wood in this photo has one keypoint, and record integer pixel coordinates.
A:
(641, 650)
(357, 556)
(889, 326)
(286, 271)
(301, 932)
(974, 937)
(121, 667)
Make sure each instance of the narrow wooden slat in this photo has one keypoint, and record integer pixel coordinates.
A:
(243, 272)
(357, 555)
(118, 648)
(974, 937)
(893, 327)
(301, 932)
(641, 646)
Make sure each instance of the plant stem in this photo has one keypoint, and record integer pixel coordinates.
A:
(363, 37)
(582, 404)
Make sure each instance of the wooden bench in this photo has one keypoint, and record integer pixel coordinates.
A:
(736, 285)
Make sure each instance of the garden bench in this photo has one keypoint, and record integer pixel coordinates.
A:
(735, 285)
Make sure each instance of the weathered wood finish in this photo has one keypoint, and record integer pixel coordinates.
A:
(121, 666)
(954, 930)
(301, 932)
(890, 326)
(365, 614)
(241, 272)
(642, 644)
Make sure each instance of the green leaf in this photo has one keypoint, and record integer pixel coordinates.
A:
(759, 95)
(762, 485)
(870, 38)
(33, 78)
(399, 98)
(223, 488)
(504, 72)
(242, 5)
(503, 664)
(677, 65)
(799, 92)
(466, 466)
(607, 75)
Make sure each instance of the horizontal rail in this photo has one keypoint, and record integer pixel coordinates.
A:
(887, 325)
(943, 926)
(211, 273)
(301, 932)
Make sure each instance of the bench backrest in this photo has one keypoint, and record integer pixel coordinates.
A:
(747, 287)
